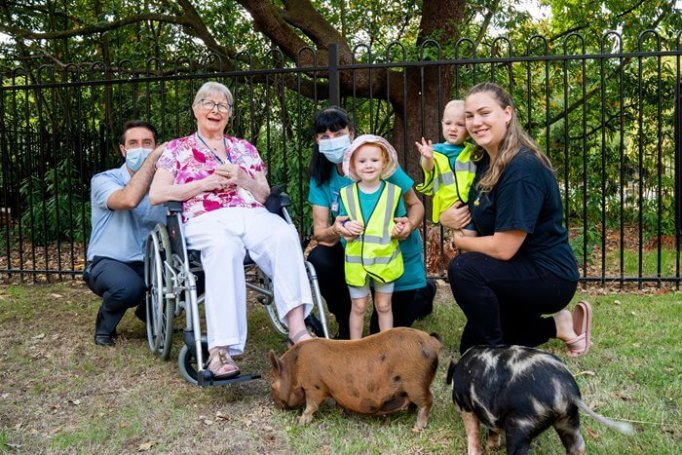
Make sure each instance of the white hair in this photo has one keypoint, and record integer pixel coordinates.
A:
(213, 87)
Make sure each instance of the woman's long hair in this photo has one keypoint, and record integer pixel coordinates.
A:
(514, 139)
(333, 118)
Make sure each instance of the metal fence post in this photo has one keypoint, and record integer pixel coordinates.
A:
(333, 63)
(678, 169)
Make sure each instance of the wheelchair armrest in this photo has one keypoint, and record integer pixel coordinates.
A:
(277, 199)
(174, 206)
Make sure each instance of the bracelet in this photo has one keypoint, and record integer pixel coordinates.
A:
(343, 223)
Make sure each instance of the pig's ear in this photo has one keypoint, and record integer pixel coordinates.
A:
(274, 361)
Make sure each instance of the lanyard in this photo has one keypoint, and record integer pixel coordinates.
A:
(227, 153)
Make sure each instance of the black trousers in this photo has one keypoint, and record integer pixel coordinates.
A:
(504, 301)
(407, 306)
(121, 286)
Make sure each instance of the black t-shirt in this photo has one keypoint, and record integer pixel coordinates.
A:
(526, 198)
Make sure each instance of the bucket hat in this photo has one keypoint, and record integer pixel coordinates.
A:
(390, 167)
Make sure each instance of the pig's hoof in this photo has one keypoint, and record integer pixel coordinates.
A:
(493, 442)
(305, 419)
(418, 428)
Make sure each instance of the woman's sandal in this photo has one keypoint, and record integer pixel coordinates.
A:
(221, 364)
(296, 338)
(582, 324)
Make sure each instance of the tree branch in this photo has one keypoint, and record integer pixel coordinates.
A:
(486, 22)
(99, 27)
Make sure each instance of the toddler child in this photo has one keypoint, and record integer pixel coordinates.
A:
(371, 230)
(448, 167)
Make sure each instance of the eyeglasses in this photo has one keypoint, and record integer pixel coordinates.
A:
(210, 105)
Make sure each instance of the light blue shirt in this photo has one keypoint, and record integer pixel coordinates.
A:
(327, 195)
(119, 234)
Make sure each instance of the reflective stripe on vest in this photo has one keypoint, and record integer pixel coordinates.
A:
(449, 186)
(371, 261)
(356, 214)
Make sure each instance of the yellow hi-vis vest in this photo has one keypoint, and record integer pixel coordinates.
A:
(373, 252)
(445, 186)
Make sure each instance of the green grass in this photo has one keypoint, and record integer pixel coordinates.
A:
(59, 393)
(649, 262)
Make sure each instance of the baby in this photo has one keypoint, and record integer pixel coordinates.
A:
(448, 167)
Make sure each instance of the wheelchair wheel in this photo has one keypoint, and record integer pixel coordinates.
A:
(160, 307)
(187, 363)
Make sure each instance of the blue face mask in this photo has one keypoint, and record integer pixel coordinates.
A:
(135, 157)
(335, 148)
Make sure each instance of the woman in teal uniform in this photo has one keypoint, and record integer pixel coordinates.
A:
(412, 295)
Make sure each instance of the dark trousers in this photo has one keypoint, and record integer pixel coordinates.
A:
(504, 301)
(121, 286)
(407, 306)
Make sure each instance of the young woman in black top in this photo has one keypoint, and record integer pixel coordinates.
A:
(518, 264)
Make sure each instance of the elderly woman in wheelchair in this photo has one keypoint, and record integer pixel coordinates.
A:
(221, 181)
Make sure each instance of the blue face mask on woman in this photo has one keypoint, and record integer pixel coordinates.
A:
(334, 148)
(135, 157)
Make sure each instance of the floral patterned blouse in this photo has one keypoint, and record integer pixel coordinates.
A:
(188, 159)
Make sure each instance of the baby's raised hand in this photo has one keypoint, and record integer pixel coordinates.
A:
(425, 148)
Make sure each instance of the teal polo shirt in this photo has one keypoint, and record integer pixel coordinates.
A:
(327, 195)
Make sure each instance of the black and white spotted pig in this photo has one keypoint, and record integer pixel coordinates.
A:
(522, 392)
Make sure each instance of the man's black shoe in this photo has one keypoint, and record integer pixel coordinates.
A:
(105, 340)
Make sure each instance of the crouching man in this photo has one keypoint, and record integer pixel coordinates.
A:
(121, 219)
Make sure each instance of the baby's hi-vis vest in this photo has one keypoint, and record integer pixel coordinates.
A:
(373, 252)
(446, 186)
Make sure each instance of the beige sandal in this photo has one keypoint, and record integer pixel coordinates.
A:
(221, 364)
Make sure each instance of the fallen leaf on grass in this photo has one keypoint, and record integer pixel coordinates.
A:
(56, 296)
(13, 446)
(586, 373)
(593, 434)
(75, 402)
(205, 420)
(40, 336)
(617, 302)
(624, 396)
(220, 415)
(146, 446)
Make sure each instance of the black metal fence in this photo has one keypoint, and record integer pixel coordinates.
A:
(610, 122)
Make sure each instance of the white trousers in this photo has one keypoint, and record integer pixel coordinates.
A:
(223, 236)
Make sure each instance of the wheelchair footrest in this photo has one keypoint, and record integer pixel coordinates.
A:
(206, 382)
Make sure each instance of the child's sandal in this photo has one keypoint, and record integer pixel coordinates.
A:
(221, 364)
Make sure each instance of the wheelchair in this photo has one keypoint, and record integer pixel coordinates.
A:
(174, 281)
